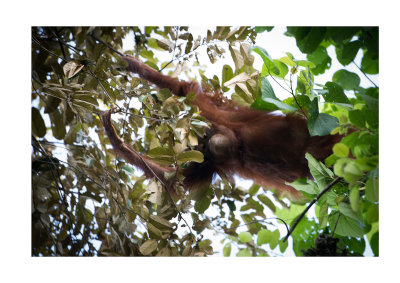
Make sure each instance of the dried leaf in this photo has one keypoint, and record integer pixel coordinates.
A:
(72, 68)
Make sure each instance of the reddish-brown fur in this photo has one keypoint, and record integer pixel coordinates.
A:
(265, 147)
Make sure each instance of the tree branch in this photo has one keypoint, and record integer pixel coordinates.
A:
(311, 204)
(106, 44)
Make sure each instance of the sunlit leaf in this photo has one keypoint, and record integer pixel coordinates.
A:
(245, 237)
(148, 247)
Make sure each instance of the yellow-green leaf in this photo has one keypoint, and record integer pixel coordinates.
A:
(191, 155)
(227, 250)
(341, 150)
(354, 198)
(245, 237)
(148, 247)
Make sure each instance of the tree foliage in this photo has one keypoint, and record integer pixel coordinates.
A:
(88, 202)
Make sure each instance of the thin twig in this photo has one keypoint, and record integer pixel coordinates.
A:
(173, 52)
(98, 80)
(294, 96)
(337, 221)
(290, 91)
(52, 53)
(336, 180)
(149, 118)
(55, 32)
(278, 82)
(106, 44)
(365, 74)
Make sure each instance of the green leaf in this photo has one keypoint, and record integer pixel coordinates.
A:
(357, 117)
(274, 239)
(354, 198)
(355, 246)
(161, 223)
(304, 185)
(244, 253)
(320, 124)
(346, 79)
(352, 172)
(367, 163)
(346, 226)
(189, 43)
(154, 232)
(338, 168)
(57, 125)
(266, 89)
(227, 250)
(340, 35)
(231, 205)
(268, 61)
(335, 94)
(268, 237)
(372, 190)
(346, 210)
(88, 99)
(265, 200)
(341, 150)
(372, 214)
(370, 64)
(302, 101)
(153, 43)
(304, 63)
(288, 60)
(375, 243)
(371, 99)
(148, 247)
(283, 246)
(307, 38)
(128, 169)
(38, 125)
(262, 29)
(254, 189)
(202, 205)
(371, 118)
(268, 100)
(263, 237)
(290, 213)
(227, 74)
(245, 237)
(242, 91)
(283, 69)
(323, 176)
(323, 215)
(347, 52)
(162, 155)
(191, 155)
(321, 60)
